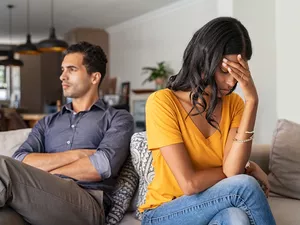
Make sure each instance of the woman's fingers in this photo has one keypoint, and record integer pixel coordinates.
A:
(242, 62)
(242, 76)
(235, 75)
(238, 75)
(241, 66)
(266, 190)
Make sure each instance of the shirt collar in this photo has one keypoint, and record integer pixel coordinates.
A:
(99, 104)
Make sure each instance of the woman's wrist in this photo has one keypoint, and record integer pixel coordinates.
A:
(252, 101)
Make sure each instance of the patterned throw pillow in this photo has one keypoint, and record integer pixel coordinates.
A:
(123, 193)
(142, 162)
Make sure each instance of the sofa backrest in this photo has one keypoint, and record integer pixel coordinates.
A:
(260, 154)
(10, 141)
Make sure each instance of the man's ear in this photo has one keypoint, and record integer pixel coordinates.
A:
(96, 77)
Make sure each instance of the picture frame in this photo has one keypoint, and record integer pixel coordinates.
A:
(125, 92)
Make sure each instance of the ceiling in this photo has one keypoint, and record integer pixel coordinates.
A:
(69, 14)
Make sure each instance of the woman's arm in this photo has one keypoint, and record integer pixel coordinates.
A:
(190, 180)
(239, 142)
(236, 154)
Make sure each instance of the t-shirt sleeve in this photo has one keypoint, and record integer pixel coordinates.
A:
(162, 125)
(238, 110)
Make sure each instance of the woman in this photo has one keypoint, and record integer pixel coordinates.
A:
(200, 135)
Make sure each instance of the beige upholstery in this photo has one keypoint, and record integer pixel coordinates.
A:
(10, 141)
(260, 155)
(285, 210)
(284, 164)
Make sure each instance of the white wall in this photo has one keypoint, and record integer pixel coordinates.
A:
(288, 60)
(164, 34)
(259, 19)
(156, 36)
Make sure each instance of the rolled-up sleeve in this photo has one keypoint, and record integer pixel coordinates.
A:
(114, 147)
(34, 142)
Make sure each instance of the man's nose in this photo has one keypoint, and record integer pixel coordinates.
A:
(63, 76)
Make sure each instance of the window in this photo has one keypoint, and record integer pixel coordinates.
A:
(3, 84)
(9, 85)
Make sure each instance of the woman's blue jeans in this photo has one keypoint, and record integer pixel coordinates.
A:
(238, 200)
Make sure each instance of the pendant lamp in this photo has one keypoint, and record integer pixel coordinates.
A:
(11, 61)
(28, 48)
(52, 44)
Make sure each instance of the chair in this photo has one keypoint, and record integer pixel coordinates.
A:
(11, 120)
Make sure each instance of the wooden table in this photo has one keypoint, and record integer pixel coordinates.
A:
(32, 119)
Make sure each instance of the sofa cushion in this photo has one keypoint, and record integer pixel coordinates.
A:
(129, 219)
(125, 188)
(285, 210)
(134, 201)
(142, 162)
(11, 140)
(284, 174)
(260, 154)
(126, 183)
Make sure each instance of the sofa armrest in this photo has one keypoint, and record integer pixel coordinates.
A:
(260, 154)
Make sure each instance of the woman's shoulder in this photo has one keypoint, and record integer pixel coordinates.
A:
(164, 96)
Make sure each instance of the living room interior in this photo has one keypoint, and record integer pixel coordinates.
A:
(136, 34)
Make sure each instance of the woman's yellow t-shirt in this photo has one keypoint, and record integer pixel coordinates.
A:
(167, 123)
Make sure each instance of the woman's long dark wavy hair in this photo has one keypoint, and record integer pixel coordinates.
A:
(219, 37)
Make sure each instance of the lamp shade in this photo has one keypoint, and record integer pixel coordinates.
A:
(11, 61)
(28, 48)
(52, 44)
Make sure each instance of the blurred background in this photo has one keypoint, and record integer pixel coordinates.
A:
(136, 34)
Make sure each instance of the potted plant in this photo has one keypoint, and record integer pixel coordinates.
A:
(158, 74)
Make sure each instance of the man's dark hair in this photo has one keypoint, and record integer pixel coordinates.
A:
(94, 58)
(219, 37)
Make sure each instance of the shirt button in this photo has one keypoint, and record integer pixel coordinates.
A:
(74, 113)
(73, 126)
(68, 142)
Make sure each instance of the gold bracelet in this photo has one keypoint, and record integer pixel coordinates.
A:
(243, 141)
(249, 132)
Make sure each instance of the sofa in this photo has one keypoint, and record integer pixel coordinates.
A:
(285, 209)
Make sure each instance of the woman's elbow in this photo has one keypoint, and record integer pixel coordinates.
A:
(189, 188)
(230, 172)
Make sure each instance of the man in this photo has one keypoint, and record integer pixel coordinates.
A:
(71, 159)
